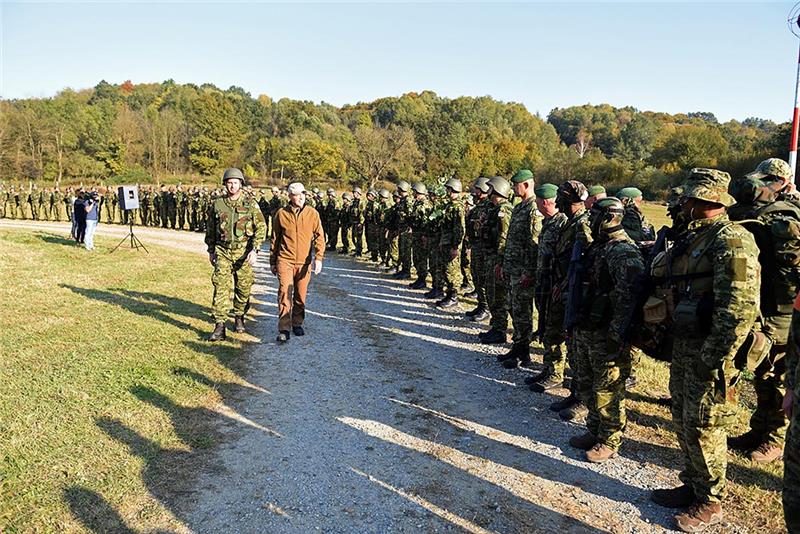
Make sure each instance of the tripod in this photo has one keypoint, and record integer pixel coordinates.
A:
(135, 243)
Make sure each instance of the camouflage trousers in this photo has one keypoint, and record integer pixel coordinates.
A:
(480, 275)
(521, 310)
(768, 419)
(357, 231)
(11, 210)
(553, 337)
(404, 251)
(420, 254)
(345, 230)
(333, 235)
(370, 231)
(466, 265)
(601, 384)
(232, 270)
(791, 472)
(437, 264)
(496, 294)
(393, 250)
(702, 412)
(108, 213)
(452, 269)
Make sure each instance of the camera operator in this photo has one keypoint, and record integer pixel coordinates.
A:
(92, 214)
(79, 217)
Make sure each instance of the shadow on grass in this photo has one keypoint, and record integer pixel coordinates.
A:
(93, 511)
(150, 305)
(57, 239)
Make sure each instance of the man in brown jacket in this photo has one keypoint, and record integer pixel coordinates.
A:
(296, 231)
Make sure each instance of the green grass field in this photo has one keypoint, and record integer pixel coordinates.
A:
(107, 384)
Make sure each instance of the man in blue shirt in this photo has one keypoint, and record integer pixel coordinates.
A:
(92, 203)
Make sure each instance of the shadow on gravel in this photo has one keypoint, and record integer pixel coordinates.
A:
(148, 305)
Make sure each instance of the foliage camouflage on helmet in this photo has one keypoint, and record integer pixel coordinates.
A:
(481, 184)
(499, 186)
(419, 188)
(454, 184)
(710, 185)
(772, 167)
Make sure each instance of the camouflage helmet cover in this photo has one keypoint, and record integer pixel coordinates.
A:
(403, 186)
(772, 167)
(384, 193)
(572, 192)
(606, 215)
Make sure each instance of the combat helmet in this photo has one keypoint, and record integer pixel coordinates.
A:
(331, 191)
(454, 184)
(419, 188)
(384, 193)
(233, 174)
(403, 186)
(499, 186)
(605, 216)
(481, 184)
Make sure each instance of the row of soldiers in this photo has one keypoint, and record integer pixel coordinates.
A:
(714, 294)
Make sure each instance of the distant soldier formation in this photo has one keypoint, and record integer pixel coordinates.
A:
(584, 275)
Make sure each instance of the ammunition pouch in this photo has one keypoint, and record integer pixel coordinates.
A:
(754, 350)
(655, 310)
(599, 311)
(692, 315)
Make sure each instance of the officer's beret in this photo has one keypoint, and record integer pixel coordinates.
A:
(596, 190)
(522, 175)
(546, 191)
(629, 192)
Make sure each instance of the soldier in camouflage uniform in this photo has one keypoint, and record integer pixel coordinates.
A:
(775, 224)
(108, 205)
(474, 221)
(570, 199)
(493, 237)
(392, 224)
(452, 234)
(404, 239)
(551, 311)
(466, 255)
(382, 208)
(613, 264)
(331, 215)
(182, 205)
(791, 406)
(635, 223)
(418, 218)
(235, 232)
(356, 219)
(344, 221)
(518, 268)
(715, 275)
(369, 225)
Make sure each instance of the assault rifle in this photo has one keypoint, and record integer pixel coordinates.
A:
(644, 286)
(575, 273)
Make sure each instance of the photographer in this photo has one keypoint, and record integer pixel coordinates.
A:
(79, 218)
(92, 214)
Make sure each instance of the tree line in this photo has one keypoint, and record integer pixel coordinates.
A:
(169, 131)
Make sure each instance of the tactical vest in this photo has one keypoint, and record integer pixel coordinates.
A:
(234, 224)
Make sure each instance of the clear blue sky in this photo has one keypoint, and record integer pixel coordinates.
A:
(735, 60)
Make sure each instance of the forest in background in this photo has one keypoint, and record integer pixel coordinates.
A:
(169, 132)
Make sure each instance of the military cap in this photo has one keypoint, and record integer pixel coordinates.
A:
(500, 186)
(772, 167)
(710, 185)
(454, 184)
(481, 184)
(546, 191)
(384, 193)
(419, 188)
(572, 192)
(232, 174)
(628, 192)
(595, 190)
(522, 175)
(403, 186)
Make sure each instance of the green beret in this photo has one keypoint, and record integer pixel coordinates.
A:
(522, 175)
(546, 191)
(596, 190)
(629, 192)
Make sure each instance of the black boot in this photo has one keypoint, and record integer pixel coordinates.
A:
(564, 403)
(450, 301)
(480, 316)
(419, 283)
(492, 337)
(477, 310)
(219, 333)
(238, 324)
(510, 355)
(522, 358)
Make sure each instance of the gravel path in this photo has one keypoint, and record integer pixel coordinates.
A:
(387, 417)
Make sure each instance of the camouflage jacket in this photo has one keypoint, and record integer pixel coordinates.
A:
(718, 302)
(793, 350)
(613, 268)
(418, 216)
(522, 245)
(452, 227)
(636, 225)
(494, 232)
(355, 214)
(546, 259)
(474, 222)
(403, 214)
(575, 229)
(235, 224)
(369, 212)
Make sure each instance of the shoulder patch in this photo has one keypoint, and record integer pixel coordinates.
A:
(733, 242)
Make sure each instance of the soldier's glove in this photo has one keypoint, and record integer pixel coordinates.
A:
(704, 372)
(525, 281)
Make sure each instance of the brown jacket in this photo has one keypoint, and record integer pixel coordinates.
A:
(294, 233)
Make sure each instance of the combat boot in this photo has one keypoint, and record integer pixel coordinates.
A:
(480, 316)
(219, 333)
(392, 270)
(699, 517)
(403, 275)
(766, 453)
(450, 301)
(564, 403)
(541, 375)
(521, 357)
(746, 442)
(238, 324)
(471, 294)
(419, 283)
(471, 313)
(511, 354)
(546, 384)
(583, 442)
(600, 453)
(576, 411)
(493, 337)
(679, 497)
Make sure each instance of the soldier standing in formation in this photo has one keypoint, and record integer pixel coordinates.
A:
(474, 221)
(452, 234)
(356, 222)
(420, 211)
